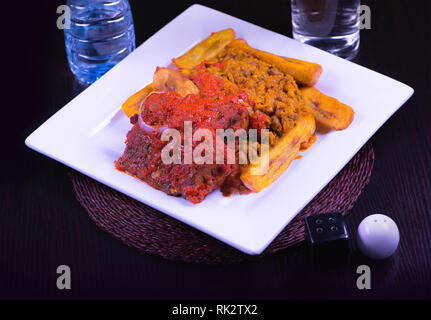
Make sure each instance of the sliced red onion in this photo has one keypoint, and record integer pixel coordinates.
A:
(145, 126)
(142, 124)
(163, 128)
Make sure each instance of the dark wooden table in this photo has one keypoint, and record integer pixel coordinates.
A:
(42, 225)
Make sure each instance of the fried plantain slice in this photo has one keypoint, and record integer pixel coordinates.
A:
(328, 111)
(304, 72)
(205, 49)
(166, 79)
(256, 177)
(131, 106)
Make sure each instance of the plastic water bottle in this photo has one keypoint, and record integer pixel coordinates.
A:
(101, 34)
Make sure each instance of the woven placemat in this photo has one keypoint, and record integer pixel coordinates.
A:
(151, 231)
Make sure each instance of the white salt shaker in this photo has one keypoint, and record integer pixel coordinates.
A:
(378, 236)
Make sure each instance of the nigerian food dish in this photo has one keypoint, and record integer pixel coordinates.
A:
(220, 84)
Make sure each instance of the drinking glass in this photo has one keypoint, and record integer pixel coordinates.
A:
(331, 25)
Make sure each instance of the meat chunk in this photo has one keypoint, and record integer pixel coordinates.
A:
(142, 159)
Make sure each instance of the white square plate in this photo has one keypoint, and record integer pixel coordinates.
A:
(88, 133)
